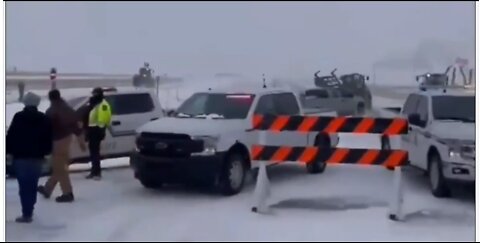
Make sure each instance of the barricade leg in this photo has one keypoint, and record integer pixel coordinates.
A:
(262, 190)
(396, 203)
(262, 187)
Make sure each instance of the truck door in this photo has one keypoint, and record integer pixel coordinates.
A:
(409, 140)
(317, 98)
(336, 99)
(281, 104)
(286, 105)
(422, 135)
(129, 112)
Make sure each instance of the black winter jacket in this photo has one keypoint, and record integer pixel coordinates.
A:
(30, 135)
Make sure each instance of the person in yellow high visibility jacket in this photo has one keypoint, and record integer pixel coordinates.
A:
(99, 118)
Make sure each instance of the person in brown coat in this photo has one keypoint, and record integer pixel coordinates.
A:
(65, 124)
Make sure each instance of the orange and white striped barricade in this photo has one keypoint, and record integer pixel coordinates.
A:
(389, 158)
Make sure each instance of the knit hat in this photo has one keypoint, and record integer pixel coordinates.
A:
(31, 99)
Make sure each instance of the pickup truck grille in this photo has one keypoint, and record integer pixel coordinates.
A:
(168, 145)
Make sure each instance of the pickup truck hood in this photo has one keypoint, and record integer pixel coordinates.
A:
(454, 130)
(195, 126)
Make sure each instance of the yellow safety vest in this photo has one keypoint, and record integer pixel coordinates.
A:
(100, 115)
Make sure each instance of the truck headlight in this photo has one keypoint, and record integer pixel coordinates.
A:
(454, 152)
(209, 144)
(454, 147)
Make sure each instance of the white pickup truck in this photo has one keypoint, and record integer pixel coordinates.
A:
(345, 103)
(209, 138)
(441, 138)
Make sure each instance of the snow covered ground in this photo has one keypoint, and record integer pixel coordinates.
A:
(348, 203)
(345, 203)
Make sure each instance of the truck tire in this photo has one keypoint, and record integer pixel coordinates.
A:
(232, 175)
(437, 181)
(150, 183)
(317, 167)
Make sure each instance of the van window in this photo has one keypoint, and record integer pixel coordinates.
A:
(125, 104)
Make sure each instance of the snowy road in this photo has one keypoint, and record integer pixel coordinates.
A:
(344, 203)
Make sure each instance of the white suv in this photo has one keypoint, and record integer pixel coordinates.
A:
(130, 110)
(441, 138)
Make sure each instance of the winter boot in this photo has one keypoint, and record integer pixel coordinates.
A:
(94, 177)
(24, 220)
(43, 192)
(65, 198)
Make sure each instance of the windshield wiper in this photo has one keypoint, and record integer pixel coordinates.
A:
(463, 119)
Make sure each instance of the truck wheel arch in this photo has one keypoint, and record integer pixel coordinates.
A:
(431, 151)
(322, 139)
(240, 148)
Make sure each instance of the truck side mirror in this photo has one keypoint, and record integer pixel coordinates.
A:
(414, 119)
(367, 78)
(416, 78)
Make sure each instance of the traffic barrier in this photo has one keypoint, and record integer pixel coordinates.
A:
(392, 159)
(386, 126)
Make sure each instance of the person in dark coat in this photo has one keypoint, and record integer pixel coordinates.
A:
(29, 140)
(65, 124)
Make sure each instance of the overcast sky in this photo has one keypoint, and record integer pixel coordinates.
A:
(203, 38)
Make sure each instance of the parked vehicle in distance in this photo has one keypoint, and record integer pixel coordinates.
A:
(343, 102)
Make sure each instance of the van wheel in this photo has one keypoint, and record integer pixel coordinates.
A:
(438, 184)
(232, 177)
(317, 167)
(150, 183)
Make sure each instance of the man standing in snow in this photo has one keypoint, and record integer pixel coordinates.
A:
(29, 140)
(65, 124)
(98, 117)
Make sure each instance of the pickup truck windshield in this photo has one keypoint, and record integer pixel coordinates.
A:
(460, 108)
(216, 106)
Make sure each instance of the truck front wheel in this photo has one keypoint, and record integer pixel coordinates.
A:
(150, 183)
(321, 141)
(232, 175)
(438, 184)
